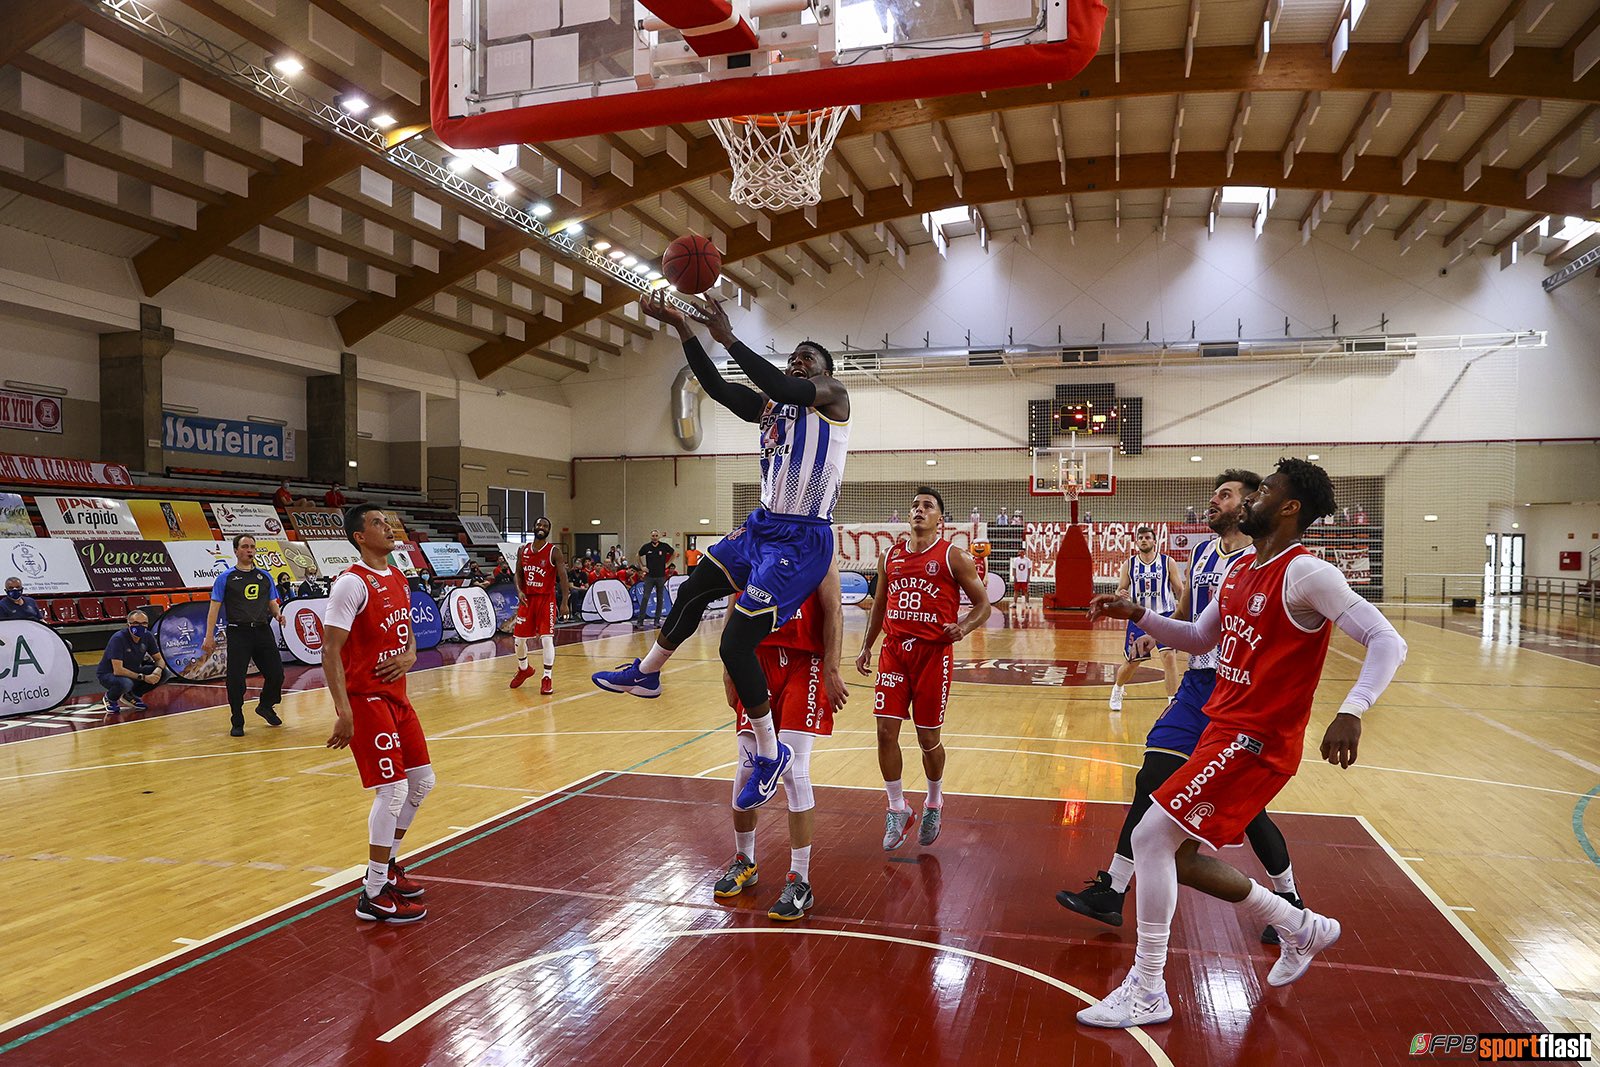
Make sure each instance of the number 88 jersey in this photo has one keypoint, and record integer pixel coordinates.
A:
(923, 596)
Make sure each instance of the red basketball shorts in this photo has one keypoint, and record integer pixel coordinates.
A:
(799, 699)
(535, 618)
(388, 739)
(1224, 785)
(1022, 589)
(914, 681)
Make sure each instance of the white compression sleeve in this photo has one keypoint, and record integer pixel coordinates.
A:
(547, 644)
(1316, 587)
(797, 779)
(1198, 636)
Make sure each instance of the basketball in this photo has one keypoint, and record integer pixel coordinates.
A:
(692, 264)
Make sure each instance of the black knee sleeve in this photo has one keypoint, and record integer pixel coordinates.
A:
(739, 641)
(705, 584)
(1157, 768)
(1266, 840)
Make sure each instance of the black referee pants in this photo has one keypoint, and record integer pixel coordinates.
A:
(246, 643)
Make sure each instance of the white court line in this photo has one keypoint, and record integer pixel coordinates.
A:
(130, 972)
(1155, 1052)
(187, 942)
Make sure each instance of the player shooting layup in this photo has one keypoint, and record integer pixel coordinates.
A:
(779, 556)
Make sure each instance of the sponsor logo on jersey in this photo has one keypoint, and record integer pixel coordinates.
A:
(933, 566)
(1249, 743)
(890, 679)
(1257, 603)
(758, 594)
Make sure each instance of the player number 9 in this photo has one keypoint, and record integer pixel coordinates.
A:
(386, 766)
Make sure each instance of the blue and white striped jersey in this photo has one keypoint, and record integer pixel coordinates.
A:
(802, 461)
(1148, 585)
(1206, 573)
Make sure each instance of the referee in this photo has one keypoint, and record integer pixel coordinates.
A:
(246, 592)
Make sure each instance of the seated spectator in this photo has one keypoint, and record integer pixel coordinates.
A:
(286, 587)
(474, 574)
(502, 573)
(334, 497)
(131, 666)
(578, 583)
(311, 584)
(16, 606)
(672, 570)
(284, 496)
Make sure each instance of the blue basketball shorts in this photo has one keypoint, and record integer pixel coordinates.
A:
(1180, 726)
(776, 561)
(1134, 633)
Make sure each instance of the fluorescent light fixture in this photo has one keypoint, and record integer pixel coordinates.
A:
(458, 164)
(353, 104)
(365, 435)
(640, 268)
(266, 420)
(594, 522)
(287, 66)
(516, 470)
(382, 120)
(1430, 518)
(574, 229)
(616, 253)
(932, 462)
(601, 245)
(503, 188)
(628, 261)
(352, 463)
(176, 409)
(654, 276)
(1313, 457)
(53, 390)
(1194, 459)
(541, 210)
(473, 467)
(1516, 526)
(705, 522)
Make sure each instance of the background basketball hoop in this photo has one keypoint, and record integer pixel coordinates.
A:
(778, 159)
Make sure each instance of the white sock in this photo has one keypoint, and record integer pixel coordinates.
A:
(549, 644)
(377, 876)
(1116, 690)
(1156, 841)
(766, 736)
(1284, 883)
(745, 843)
(897, 796)
(522, 653)
(1121, 872)
(800, 862)
(1150, 958)
(935, 794)
(655, 659)
(1267, 909)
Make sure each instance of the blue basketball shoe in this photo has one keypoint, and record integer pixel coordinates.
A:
(629, 679)
(762, 785)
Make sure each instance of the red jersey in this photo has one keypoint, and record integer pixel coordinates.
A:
(923, 595)
(803, 633)
(536, 571)
(380, 630)
(1268, 665)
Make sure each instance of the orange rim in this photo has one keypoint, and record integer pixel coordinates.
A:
(793, 118)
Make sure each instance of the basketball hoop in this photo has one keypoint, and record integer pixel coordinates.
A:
(778, 159)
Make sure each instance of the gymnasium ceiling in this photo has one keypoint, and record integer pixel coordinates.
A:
(1473, 124)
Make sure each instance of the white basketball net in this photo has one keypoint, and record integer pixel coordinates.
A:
(778, 159)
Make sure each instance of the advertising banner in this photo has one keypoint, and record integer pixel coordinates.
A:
(446, 558)
(284, 557)
(302, 628)
(257, 520)
(46, 566)
(314, 523)
(57, 471)
(224, 437)
(179, 633)
(127, 566)
(171, 520)
(333, 557)
(470, 613)
(481, 529)
(857, 546)
(607, 601)
(37, 670)
(29, 411)
(503, 597)
(201, 563)
(425, 621)
(14, 520)
(87, 516)
(852, 587)
(408, 557)
(1111, 543)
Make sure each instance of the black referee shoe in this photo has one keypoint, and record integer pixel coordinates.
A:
(1269, 936)
(1098, 900)
(269, 715)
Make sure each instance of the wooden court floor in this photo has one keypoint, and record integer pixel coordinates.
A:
(125, 844)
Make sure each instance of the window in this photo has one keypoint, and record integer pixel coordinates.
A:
(515, 510)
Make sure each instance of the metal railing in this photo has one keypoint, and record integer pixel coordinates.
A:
(1562, 595)
(1419, 588)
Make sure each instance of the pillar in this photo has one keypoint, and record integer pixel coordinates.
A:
(130, 393)
(331, 424)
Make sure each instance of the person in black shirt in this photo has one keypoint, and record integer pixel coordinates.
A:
(16, 606)
(311, 585)
(655, 556)
(250, 598)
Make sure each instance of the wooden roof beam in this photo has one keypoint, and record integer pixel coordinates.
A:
(1582, 49)
(29, 23)
(1557, 154)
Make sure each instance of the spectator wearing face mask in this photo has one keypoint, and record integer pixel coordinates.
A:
(131, 666)
(16, 606)
(311, 585)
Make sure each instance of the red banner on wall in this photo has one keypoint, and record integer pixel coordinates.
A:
(58, 471)
(30, 411)
(1111, 543)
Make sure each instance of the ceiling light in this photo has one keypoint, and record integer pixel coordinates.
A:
(574, 229)
(382, 120)
(594, 522)
(354, 104)
(600, 246)
(705, 522)
(640, 268)
(1516, 526)
(654, 275)
(287, 66)
(1430, 518)
(617, 253)
(541, 210)
(458, 164)
(502, 187)
(628, 261)
(1313, 457)
(1194, 459)
(932, 462)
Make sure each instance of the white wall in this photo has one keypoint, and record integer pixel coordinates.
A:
(1555, 528)
(515, 424)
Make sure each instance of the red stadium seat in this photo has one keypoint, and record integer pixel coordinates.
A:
(90, 609)
(116, 607)
(63, 611)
